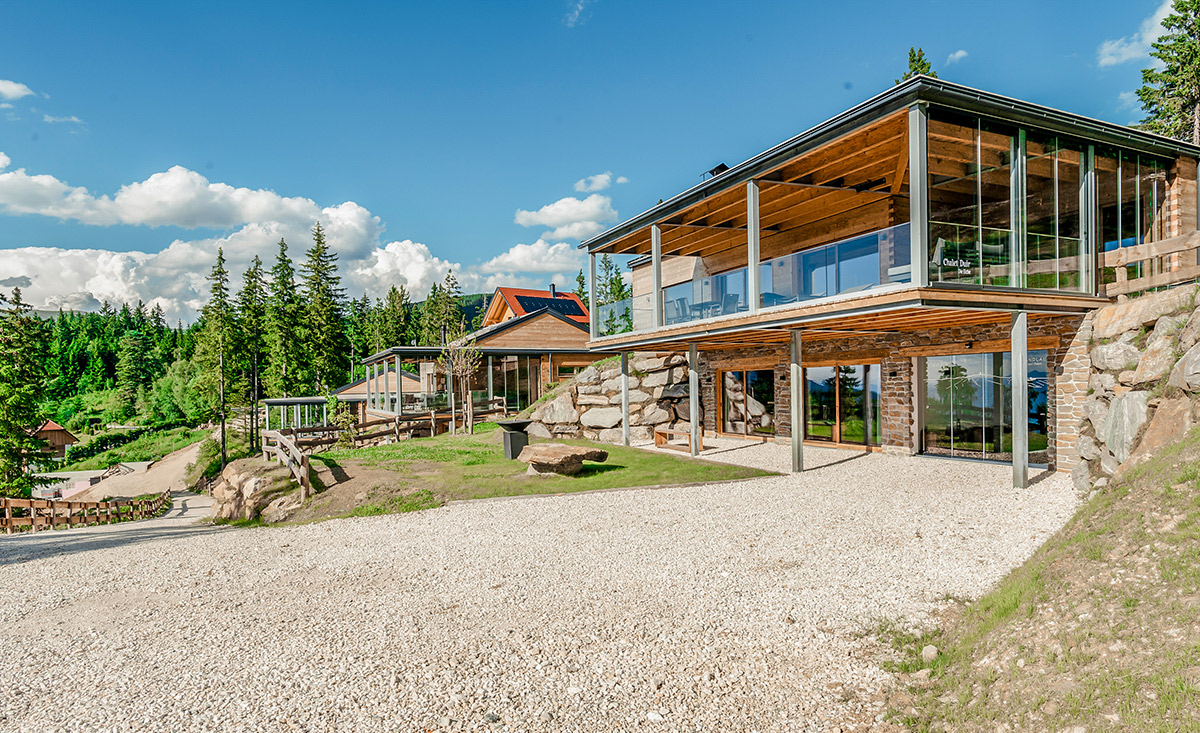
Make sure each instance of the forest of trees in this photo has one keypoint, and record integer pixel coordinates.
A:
(287, 330)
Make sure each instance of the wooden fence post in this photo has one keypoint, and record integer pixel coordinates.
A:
(7, 517)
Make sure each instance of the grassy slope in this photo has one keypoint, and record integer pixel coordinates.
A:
(146, 448)
(1100, 628)
(473, 467)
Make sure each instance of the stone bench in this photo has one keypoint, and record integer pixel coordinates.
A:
(566, 460)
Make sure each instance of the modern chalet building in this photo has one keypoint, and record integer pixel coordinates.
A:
(908, 276)
(527, 338)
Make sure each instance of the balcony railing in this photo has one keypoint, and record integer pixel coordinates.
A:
(852, 265)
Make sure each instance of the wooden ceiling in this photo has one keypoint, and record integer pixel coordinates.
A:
(869, 166)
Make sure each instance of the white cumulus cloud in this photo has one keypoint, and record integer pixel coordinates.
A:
(598, 182)
(52, 120)
(570, 218)
(250, 222)
(957, 56)
(13, 89)
(1137, 45)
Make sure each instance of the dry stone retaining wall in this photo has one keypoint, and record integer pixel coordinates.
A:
(1143, 386)
(589, 406)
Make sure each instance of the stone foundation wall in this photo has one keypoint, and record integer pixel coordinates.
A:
(1143, 388)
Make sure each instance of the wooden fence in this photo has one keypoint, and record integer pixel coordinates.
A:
(1146, 253)
(283, 449)
(38, 514)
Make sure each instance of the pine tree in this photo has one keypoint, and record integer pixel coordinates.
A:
(251, 321)
(135, 371)
(917, 65)
(1171, 94)
(443, 308)
(394, 318)
(24, 349)
(324, 337)
(610, 289)
(215, 343)
(581, 288)
(284, 375)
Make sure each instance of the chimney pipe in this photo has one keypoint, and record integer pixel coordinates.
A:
(553, 292)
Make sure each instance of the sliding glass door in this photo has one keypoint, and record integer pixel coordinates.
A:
(968, 406)
(842, 404)
(748, 402)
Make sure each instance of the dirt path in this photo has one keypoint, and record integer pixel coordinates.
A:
(180, 521)
(169, 473)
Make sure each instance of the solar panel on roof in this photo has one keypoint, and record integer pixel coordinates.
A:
(565, 306)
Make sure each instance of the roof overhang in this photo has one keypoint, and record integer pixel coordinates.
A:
(901, 96)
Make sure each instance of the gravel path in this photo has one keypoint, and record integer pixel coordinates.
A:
(721, 607)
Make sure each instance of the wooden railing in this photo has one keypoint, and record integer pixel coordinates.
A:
(51, 513)
(1121, 257)
(283, 449)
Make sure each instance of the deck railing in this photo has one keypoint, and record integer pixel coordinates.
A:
(1181, 265)
(35, 514)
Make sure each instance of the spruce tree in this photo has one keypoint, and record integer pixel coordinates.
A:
(917, 65)
(284, 375)
(135, 371)
(581, 288)
(394, 318)
(251, 321)
(1171, 94)
(324, 338)
(215, 344)
(24, 349)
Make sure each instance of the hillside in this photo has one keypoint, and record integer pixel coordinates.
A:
(1098, 629)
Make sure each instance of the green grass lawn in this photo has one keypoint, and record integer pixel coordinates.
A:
(150, 447)
(473, 467)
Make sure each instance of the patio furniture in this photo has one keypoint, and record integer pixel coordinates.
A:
(662, 438)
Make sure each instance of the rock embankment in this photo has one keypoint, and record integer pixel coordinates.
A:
(252, 488)
(589, 406)
(1144, 386)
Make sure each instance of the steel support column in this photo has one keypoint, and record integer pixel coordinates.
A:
(399, 388)
(592, 317)
(656, 307)
(918, 193)
(796, 384)
(694, 397)
(625, 397)
(1020, 399)
(753, 273)
(490, 380)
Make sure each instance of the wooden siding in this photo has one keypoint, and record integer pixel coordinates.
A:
(542, 332)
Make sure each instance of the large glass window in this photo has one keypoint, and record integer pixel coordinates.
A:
(748, 402)
(842, 404)
(1130, 206)
(1053, 245)
(968, 412)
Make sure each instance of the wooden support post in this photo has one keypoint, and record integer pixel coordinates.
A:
(625, 397)
(7, 518)
(1020, 399)
(796, 380)
(694, 397)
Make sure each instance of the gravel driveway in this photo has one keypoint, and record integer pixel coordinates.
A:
(720, 607)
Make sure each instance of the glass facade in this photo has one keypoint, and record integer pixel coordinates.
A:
(516, 379)
(1009, 206)
(748, 402)
(842, 404)
(968, 406)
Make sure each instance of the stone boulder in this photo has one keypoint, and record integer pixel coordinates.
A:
(1186, 374)
(1115, 320)
(558, 410)
(601, 417)
(1159, 356)
(566, 460)
(1125, 418)
(1115, 357)
(1096, 411)
(247, 486)
(1172, 420)
(1190, 335)
(1088, 449)
(589, 376)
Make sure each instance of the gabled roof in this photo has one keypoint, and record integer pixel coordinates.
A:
(479, 339)
(404, 374)
(51, 425)
(522, 301)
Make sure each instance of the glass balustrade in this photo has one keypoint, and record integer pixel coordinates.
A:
(852, 265)
(709, 297)
(623, 316)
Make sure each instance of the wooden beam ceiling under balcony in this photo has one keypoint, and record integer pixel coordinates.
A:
(865, 166)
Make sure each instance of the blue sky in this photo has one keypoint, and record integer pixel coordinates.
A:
(419, 131)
